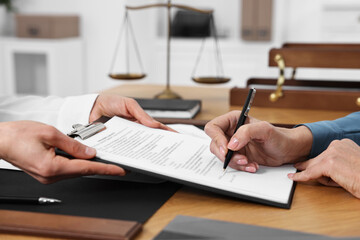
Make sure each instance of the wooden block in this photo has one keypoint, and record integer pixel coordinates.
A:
(62, 226)
(310, 83)
(317, 55)
(47, 26)
(300, 99)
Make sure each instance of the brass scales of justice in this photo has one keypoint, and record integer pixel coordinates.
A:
(167, 93)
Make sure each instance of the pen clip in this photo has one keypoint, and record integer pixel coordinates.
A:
(250, 102)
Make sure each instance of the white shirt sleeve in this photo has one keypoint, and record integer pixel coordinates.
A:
(61, 113)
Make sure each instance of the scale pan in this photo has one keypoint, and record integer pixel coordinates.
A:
(127, 76)
(211, 80)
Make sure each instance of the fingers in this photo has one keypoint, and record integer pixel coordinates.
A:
(218, 130)
(243, 165)
(55, 138)
(303, 165)
(312, 169)
(78, 167)
(259, 131)
(224, 124)
(142, 117)
(63, 168)
(218, 146)
(133, 110)
(312, 172)
(114, 105)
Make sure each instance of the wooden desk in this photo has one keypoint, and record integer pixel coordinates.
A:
(215, 102)
(315, 208)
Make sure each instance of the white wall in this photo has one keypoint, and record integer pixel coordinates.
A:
(294, 20)
(100, 21)
(324, 21)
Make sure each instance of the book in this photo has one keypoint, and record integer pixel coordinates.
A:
(170, 108)
(187, 159)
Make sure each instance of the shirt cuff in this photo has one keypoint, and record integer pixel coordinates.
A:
(324, 133)
(75, 109)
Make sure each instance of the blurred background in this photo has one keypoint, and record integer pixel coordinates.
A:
(81, 64)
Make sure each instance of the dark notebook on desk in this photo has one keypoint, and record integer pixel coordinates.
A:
(170, 108)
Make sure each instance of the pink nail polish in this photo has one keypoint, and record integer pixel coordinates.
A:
(222, 150)
(241, 162)
(234, 143)
(250, 169)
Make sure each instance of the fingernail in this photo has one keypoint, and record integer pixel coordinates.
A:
(250, 169)
(242, 162)
(234, 143)
(90, 151)
(291, 175)
(222, 150)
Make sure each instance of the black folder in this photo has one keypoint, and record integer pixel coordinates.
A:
(126, 201)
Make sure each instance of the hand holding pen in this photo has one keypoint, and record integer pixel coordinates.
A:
(257, 142)
(242, 119)
(223, 128)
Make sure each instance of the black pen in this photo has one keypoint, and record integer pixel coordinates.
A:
(28, 200)
(243, 115)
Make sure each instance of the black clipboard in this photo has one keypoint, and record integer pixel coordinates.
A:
(152, 175)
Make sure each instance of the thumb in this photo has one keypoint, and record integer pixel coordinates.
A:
(71, 146)
(260, 131)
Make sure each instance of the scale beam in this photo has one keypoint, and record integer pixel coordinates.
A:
(171, 5)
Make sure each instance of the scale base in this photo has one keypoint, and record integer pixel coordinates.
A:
(167, 94)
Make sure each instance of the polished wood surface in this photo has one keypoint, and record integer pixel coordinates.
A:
(315, 208)
(339, 100)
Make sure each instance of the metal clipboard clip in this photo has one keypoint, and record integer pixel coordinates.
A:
(86, 131)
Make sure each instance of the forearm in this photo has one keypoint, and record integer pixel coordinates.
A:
(325, 132)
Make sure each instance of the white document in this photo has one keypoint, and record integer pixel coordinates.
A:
(187, 159)
(189, 130)
(6, 165)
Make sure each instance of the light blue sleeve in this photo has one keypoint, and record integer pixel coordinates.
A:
(325, 132)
